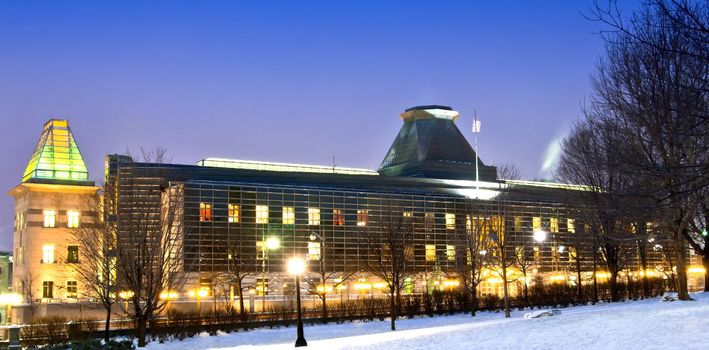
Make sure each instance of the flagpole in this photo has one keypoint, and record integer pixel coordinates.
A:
(476, 130)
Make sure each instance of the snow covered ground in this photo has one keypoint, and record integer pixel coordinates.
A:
(649, 324)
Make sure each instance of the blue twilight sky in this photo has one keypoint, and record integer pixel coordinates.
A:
(288, 81)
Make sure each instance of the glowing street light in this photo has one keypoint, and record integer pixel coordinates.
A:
(296, 267)
(273, 243)
(539, 235)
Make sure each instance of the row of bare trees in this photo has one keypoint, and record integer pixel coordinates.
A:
(643, 146)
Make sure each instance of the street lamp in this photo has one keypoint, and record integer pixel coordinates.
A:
(539, 235)
(296, 267)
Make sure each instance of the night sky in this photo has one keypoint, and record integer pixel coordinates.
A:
(288, 81)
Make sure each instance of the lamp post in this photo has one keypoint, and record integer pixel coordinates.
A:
(272, 243)
(296, 267)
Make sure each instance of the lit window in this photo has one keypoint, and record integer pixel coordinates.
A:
(288, 216)
(48, 253)
(313, 216)
(572, 254)
(73, 218)
(570, 226)
(450, 221)
(262, 286)
(261, 214)
(313, 250)
(537, 254)
(450, 252)
(205, 212)
(338, 218)
(71, 289)
(234, 213)
(407, 214)
(72, 254)
(50, 218)
(519, 224)
(362, 217)
(536, 223)
(554, 224)
(468, 224)
(48, 289)
(408, 285)
(430, 252)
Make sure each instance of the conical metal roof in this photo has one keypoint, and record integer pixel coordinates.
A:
(430, 145)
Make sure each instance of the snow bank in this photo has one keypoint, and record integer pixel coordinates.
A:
(649, 324)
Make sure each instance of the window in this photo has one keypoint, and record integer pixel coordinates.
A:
(261, 285)
(536, 223)
(570, 226)
(205, 212)
(261, 214)
(71, 289)
(468, 224)
(429, 219)
(50, 218)
(407, 214)
(537, 255)
(362, 217)
(48, 289)
(519, 224)
(313, 216)
(408, 285)
(73, 218)
(338, 218)
(72, 254)
(430, 252)
(288, 216)
(313, 250)
(48, 253)
(234, 213)
(450, 221)
(554, 224)
(572, 254)
(450, 252)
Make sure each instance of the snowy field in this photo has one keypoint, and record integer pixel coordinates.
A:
(648, 324)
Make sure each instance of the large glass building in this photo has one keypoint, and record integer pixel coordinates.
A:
(266, 213)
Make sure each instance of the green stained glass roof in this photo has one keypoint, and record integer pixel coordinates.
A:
(57, 157)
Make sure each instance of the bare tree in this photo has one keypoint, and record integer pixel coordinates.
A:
(470, 261)
(508, 171)
(94, 262)
(148, 222)
(239, 271)
(501, 257)
(390, 255)
(319, 286)
(653, 83)
(587, 159)
(28, 292)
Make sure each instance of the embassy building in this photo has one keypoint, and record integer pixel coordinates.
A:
(253, 216)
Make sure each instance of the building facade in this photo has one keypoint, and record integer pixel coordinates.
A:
(225, 215)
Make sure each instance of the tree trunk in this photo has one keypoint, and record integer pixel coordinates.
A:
(140, 330)
(613, 283)
(107, 329)
(392, 305)
(324, 307)
(242, 312)
(705, 262)
(579, 284)
(643, 263)
(505, 292)
(682, 291)
(474, 304)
